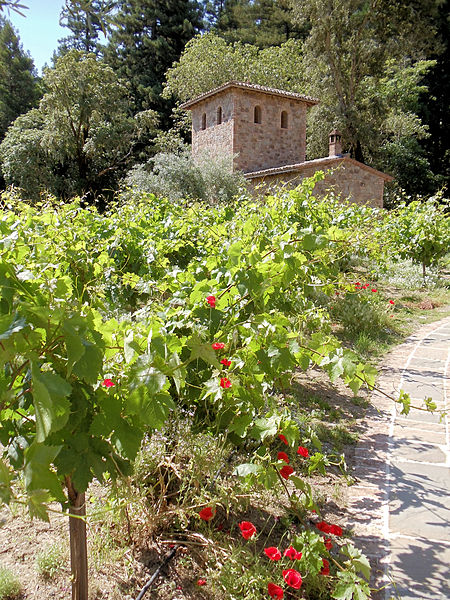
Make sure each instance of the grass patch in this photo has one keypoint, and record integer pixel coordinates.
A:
(50, 561)
(10, 586)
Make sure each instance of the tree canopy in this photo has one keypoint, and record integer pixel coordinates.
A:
(82, 130)
(19, 89)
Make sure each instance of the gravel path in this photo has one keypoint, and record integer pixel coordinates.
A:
(400, 505)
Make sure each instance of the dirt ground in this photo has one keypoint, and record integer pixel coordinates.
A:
(121, 572)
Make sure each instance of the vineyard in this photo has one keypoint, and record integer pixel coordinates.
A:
(160, 324)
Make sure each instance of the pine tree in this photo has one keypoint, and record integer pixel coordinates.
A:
(18, 81)
(86, 19)
(263, 23)
(147, 37)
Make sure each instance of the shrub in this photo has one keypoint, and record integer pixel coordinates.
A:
(178, 176)
(50, 561)
(10, 586)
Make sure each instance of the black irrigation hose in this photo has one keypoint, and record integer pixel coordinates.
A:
(156, 573)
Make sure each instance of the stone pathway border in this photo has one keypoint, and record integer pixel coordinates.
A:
(399, 507)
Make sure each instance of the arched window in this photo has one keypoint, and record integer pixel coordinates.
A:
(219, 115)
(204, 121)
(284, 119)
(257, 115)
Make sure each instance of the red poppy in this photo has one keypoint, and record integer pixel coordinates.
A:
(326, 567)
(248, 530)
(292, 553)
(272, 553)
(391, 302)
(206, 513)
(303, 451)
(201, 582)
(335, 529)
(328, 543)
(286, 471)
(225, 362)
(107, 383)
(365, 286)
(275, 591)
(357, 284)
(211, 300)
(283, 456)
(292, 578)
(322, 526)
(225, 383)
(374, 290)
(283, 439)
(218, 346)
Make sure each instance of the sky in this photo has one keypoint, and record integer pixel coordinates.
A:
(39, 30)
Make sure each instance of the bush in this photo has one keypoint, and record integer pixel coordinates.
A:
(10, 586)
(50, 561)
(176, 176)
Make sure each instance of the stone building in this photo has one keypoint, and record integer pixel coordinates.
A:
(265, 130)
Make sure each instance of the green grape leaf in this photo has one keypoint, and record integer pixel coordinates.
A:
(51, 406)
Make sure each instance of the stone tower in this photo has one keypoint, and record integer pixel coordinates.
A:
(264, 127)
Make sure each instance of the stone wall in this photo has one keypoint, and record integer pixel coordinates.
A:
(348, 179)
(257, 145)
(215, 138)
(266, 144)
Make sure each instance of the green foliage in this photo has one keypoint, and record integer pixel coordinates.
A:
(50, 561)
(209, 61)
(80, 135)
(147, 36)
(10, 586)
(18, 82)
(178, 176)
(422, 232)
(263, 23)
(86, 19)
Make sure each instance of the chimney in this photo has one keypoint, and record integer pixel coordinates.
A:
(335, 144)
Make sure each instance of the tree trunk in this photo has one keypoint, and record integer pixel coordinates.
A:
(78, 546)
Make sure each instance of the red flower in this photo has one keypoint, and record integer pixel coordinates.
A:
(322, 526)
(272, 553)
(201, 582)
(283, 456)
(225, 383)
(283, 439)
(225, 362)
(328, 543)
(391, 302)
(218, 346)
(248, 530)
(326, 567)
(286, 471)
(292, 578)
(206, 513)
(374, 289)
(291, 552)
(107, 383)
(365, 286)
(275, 591)
(303, 451)
(211, 300)
(357, 284)
(335, 529)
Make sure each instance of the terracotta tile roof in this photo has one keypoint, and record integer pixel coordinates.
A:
(318, 163)
(252, 87)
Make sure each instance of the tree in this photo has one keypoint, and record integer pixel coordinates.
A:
(147, 37)
(263, 23)
(434, 108)
(209, 61)
(86, 19)
(83, 127)
(14, 5)
(19, 89)
(349, 46)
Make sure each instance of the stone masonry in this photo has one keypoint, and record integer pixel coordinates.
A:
(265, 131)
